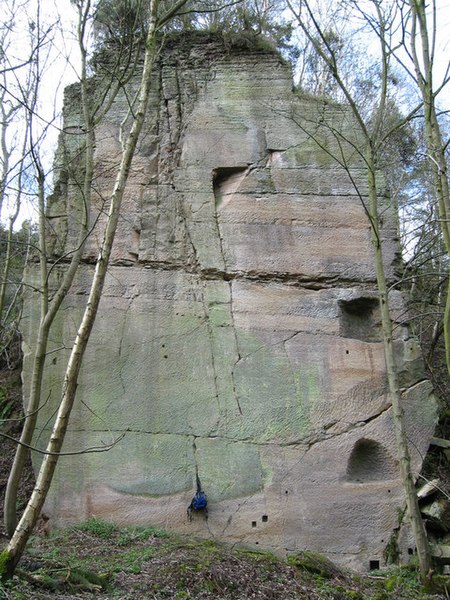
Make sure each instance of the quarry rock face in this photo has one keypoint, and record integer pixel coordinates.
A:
(238, 337)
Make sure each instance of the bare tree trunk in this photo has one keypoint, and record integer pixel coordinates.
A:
(6, 271)
(49, 310)
(420, 536)
(92, 112)
(373, 140)
(435, 144)
(7, 116)
(30, 95)
(12, 554)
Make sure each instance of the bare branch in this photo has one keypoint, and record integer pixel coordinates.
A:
(91, 450)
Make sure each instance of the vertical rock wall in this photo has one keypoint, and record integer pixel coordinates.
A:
(238, 337)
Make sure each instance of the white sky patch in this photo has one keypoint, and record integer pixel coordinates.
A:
(52, 22)
(443, 47)
(356, 26)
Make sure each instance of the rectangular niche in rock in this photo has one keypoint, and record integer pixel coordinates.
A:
(360, 319)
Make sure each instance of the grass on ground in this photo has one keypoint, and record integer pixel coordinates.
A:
(99, 560)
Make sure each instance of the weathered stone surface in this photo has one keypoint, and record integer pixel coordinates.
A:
(238, 335)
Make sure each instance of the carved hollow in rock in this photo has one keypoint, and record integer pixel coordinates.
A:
(369, 461)
(359, 319)
(226, 181)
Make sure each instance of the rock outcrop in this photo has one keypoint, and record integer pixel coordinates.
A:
(238, 337)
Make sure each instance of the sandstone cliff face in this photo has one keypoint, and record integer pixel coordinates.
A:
(238, 336)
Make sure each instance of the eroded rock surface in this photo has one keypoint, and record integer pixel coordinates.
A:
(238, 336)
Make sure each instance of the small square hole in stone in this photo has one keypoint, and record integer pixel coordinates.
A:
(264, 518)
(253, 523)
(374, 565)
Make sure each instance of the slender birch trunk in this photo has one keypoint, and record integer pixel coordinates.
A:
(412, 503)
(372, 141)
(12, 554)
(92, 114)
(49, 310)
(423, 66)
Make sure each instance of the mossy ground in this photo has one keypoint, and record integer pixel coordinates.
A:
(99, 560)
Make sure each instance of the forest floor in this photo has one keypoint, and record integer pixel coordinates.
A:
(99, 560)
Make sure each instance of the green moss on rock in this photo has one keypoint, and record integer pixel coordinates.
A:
(314, 563)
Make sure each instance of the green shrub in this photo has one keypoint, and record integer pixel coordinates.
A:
(101, 529)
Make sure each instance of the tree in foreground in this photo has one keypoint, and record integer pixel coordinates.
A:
(17, 101)
(422, 52)
(374, 137)
(12, 554)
